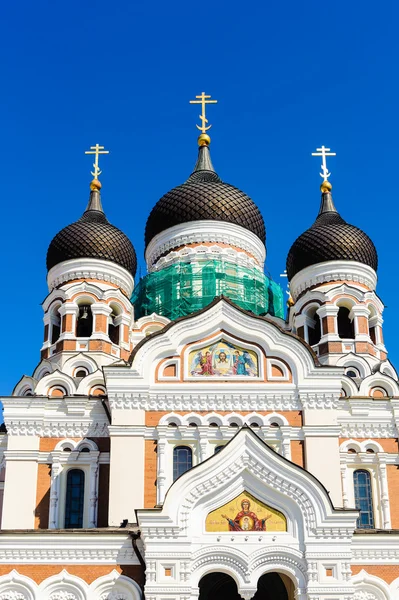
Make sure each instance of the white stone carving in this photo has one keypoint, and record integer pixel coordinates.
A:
(114, 595)
(12, 595)
(63, 595)
(90, 268)
(195, 232)
(334, 270)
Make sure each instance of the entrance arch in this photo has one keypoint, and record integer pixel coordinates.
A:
(271, 586)
(218, 586)
(274, 586)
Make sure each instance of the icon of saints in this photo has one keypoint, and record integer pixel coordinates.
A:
(243, 364)
(246, 520)
(202, 364)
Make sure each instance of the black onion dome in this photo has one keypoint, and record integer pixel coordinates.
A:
(204, 196)
(92, 236)
(330, 238)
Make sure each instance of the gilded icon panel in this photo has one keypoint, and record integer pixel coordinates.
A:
(245, 513)
(223, 359)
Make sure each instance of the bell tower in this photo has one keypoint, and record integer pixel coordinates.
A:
(332, 271)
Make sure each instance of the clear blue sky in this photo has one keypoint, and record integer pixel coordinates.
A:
(289, 76)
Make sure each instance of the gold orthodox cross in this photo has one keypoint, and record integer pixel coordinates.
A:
(203, 100)
(96, 150)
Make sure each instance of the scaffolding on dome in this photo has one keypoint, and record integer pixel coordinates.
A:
(184, 288)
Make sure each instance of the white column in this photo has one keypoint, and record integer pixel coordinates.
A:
(386, 512)
(161, 468)
(344, 471)
(203, 443)
(54, 495)
(93, 499)
(286, 442)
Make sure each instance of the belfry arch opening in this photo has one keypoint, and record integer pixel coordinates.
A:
(346, 327)
(271, 586)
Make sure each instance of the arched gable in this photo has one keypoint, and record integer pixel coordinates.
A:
(248, 465)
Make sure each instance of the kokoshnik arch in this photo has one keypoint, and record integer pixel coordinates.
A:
(188, 436)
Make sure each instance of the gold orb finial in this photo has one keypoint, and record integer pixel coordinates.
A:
(204, 139)
(95, 185)
(290, 302)
(326, 186)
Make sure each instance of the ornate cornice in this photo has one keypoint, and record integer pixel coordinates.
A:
(90, 268)
(330, 271)
(203, 402)
(66, 548)
(57, 429)
(196, 232)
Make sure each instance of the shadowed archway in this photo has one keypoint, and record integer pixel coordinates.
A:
(271, 586)
(218, 586)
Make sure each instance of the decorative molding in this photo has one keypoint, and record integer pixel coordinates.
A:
(90, 268)
(331, 271)
(58, 429)
(369, 430)
(204, 402)
(66, 548)
(201, 253)
(196, 232)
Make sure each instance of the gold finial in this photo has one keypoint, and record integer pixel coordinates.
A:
(203, 99)
(326, 186)
(96, 150)
(290, 301)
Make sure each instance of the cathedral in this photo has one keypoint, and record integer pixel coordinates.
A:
(192, 435)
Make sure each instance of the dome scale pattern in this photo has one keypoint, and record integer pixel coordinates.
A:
(204, 197)
(330, 238)
(92, 236)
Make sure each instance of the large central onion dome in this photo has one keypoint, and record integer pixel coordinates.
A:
(204, 196)
(92, 236)
(330, 238)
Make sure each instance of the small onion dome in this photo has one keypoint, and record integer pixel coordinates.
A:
(202, 197)
(92, 236)
(330, 238)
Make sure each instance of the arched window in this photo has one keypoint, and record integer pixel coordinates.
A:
(113, 327)
(346, 327)
(55, 325)
(182, 460)
(74, 499)
(84, 325)
(363, 499)
(313, 326)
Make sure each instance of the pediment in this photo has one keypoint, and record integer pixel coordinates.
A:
(222, 343)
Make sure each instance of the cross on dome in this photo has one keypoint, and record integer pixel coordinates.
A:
(96, 150)
(323, 152)
(203, 99)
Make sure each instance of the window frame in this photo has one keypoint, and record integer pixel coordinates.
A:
(69, 485)
(368, 497)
